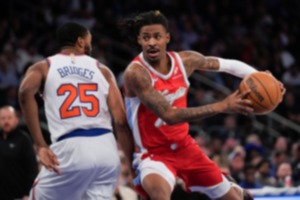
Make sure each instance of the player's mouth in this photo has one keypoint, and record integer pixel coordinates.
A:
(153, 53)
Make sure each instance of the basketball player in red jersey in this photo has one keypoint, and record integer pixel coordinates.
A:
(156, 85)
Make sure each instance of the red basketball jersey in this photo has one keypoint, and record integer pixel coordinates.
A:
(149, 130)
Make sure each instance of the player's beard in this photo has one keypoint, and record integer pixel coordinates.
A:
(88, 50)
(152, 60)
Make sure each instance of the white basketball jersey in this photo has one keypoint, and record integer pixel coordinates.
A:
(75, 95)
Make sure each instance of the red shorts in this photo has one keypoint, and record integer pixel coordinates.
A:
(186, 161)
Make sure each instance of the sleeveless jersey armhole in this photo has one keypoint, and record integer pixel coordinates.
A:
(181, 66)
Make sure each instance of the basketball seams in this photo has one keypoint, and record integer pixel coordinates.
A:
(266, 91)
(271, 92)
(257, 102)
(244, 87)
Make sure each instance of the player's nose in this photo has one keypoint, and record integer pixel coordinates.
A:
(152, 41)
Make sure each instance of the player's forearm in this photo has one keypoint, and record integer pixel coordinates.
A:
(125, 138)
(195, 113)
(30, 112)
(235, 67)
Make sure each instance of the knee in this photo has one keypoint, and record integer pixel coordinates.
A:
(157, 187)
(159, 193)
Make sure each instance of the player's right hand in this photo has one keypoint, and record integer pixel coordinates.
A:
(48, 159)
(237, 103)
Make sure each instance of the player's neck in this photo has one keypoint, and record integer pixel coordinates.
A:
(163, 66)
(70, 50)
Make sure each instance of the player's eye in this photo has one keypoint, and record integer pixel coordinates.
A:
(146, 37)
(157, 37)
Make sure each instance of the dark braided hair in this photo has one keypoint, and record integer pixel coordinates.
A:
(131, 26)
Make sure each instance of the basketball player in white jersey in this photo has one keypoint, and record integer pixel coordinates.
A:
(80, 96)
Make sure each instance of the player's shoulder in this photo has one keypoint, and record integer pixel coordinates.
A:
(39, 66)
(136, 75)
(186, 53)
(190, 58)
(91, 58)
(105, 70)
(134, 69)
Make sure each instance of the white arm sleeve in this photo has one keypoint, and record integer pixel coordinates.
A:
(235, 67)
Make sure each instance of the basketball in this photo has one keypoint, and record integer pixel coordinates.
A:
(265, 92)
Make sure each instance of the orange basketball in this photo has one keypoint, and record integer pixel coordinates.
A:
(265, 91)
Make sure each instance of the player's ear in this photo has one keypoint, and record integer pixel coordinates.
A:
(139, 40)
(168, 38)
(80, 42)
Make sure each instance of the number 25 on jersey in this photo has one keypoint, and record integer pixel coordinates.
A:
(67, 110)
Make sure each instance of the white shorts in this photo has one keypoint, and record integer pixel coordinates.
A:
(89, 167)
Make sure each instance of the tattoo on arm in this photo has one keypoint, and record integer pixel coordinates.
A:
(197, 113)
(212, 64)
(193, 60)
(140, 82)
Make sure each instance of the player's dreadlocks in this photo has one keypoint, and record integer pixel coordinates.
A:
(131, 26)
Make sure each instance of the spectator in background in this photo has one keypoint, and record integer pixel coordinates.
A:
(215, 145)
(281, 144)
(284, 175)
(230, 129)
(292, 76)
(236, 164)
(289, 108)
(253, 138)
(8, 76)
(254, 149)
(18, 164)
(278, 158)
(295, 153)
(263, 175)
(222, 162)
(201, 139)
(249, 181)
(295, 161)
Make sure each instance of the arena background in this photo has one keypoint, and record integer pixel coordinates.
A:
(262, 33)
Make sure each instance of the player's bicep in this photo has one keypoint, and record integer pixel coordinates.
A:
(193, 60)
(114, 99)
(115, 103)
(32, 80)
(138, 80)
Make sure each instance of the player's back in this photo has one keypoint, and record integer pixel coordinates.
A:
(75, 95)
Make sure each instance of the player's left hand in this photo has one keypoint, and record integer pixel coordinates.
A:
(48, 159)
(282, 88)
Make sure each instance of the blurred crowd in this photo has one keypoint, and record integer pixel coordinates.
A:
(262, 33)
